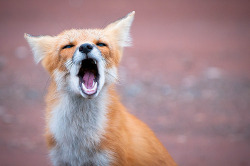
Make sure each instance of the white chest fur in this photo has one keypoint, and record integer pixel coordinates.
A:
(78, 125)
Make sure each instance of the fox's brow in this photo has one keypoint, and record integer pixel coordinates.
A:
(70, 37)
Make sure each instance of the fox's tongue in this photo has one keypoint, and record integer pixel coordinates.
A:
(88, 83)
(88, 79)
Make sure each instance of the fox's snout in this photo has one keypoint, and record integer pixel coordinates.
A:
(86, 51)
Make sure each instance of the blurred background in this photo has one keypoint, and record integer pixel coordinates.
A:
(187, 75)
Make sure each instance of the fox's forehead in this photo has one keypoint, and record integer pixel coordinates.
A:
(82, 35)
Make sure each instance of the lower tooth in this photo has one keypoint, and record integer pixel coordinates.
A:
(94, 86)
(83, 86)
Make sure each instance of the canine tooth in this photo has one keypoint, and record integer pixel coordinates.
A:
(95, 61)
(94, 86)
(84, 87)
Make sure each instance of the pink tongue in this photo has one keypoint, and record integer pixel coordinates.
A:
(88, 79)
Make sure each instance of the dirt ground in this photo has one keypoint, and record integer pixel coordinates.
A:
(187, 75)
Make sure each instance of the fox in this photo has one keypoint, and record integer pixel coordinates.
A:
(86, 123)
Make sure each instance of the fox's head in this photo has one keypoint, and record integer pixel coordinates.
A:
(83, 61)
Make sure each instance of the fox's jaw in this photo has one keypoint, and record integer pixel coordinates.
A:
(83, 62)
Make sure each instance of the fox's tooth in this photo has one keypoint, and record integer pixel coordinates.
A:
(94, 86)
(83, 86)
(95, 61)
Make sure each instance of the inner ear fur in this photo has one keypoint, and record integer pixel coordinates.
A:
(120, 30)
(40, 45)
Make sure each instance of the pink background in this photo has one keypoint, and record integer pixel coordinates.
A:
(186, 76)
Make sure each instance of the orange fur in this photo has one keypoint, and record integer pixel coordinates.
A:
(131, 141)
(134, 143)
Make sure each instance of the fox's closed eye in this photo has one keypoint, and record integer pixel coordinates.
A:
(101, 44)
(68, 46)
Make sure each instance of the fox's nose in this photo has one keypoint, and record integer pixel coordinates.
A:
(85, 48)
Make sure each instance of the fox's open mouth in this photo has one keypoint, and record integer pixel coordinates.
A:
(88, 76)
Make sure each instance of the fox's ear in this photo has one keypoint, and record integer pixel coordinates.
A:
(121, 30)
(40, 45)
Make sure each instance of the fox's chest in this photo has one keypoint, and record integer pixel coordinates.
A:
(78, 133)
(69, 156)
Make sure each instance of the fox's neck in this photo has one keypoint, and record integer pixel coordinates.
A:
(75, 117)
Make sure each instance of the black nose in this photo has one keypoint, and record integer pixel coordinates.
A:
(85, 48)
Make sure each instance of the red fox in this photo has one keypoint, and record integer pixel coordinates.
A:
(86, 124)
